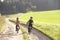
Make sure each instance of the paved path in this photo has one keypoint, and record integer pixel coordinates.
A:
(10, 33)
(36, 35)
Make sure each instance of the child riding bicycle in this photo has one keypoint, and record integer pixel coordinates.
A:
(30, 24)
(17, 24)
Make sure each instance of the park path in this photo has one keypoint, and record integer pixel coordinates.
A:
(10, 33)
(37, 35)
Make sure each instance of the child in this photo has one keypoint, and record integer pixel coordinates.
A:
(17, 24)
(30, 24)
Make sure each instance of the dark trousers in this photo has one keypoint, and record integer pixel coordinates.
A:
(29, 28)
(17, 27)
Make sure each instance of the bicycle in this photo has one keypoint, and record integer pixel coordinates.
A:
(29, 29)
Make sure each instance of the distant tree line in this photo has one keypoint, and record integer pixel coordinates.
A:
(13, 6)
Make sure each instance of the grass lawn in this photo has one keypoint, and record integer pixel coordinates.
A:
(25, 34)
(45, 21)
(47, 16)
(2, 24)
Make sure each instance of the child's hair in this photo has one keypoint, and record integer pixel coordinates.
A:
(31, 17)
(17, 18)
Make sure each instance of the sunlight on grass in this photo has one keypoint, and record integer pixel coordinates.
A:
(46, 18)
(51, 30)
(25, 34)
(49, 17)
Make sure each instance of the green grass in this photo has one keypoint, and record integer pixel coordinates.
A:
(46, 16)
(45, 21)
(51, 30)
(25, 34)
(2, 24)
